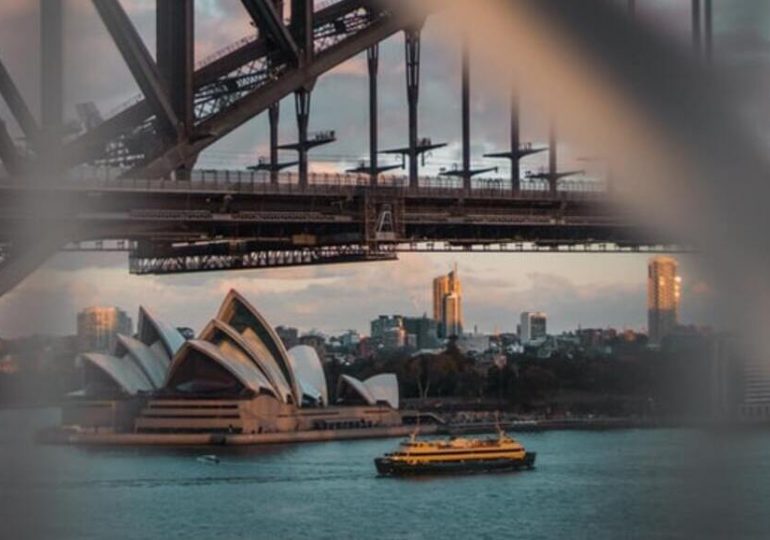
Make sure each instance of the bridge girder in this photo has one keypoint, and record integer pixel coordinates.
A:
(9, 154)
(269, 22)
(253, 104)
(139, 62)
(18, 106)
(245, 68)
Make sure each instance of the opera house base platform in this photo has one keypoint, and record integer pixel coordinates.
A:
(68, 437)
(174, 422)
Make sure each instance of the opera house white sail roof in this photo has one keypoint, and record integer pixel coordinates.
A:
(378, 389)
(309, 373)
(139, 364)
(238, 354)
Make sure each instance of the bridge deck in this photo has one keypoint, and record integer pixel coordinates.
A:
(257, 182)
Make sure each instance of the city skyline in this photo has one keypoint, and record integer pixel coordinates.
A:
(300, 297)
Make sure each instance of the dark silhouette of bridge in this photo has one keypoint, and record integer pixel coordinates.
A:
(130, 182)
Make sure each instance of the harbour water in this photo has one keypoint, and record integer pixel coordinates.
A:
(619, 484)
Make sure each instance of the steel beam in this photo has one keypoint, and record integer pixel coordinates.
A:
(210, 262)
(274, 116)
(708, 31)
(269, 20)
(373, 63)
(260, 100)
(256, 49)
(553, 159)
(302, 99)
(8, 152)
(87, 146)
(302, 27)
(140, 63)
(52, 74)
(18, 106)
(515, 142)
(175, 31)
(412, 52)
(91, 144)
(696, 28)
(466, 113)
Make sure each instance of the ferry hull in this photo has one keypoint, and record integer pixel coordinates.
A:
(389, 467)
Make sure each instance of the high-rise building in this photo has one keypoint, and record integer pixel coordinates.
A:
(453, 317)
(98, 328)
(389, 331)
(440, 290)
(663, 296)
(532, 326)
(422, 332)
(447, 304)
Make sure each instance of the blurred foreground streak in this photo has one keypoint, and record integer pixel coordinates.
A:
(668, 126)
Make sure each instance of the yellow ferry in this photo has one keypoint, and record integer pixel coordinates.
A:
(455, 455)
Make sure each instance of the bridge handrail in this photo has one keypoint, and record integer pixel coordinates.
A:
(244, 181)
(224, 51)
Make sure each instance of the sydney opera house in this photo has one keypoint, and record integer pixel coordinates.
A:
(236, 378)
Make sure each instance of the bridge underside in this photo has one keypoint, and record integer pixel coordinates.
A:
(172, 227)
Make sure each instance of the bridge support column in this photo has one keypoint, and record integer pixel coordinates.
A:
(696, 28)
(18, 107)
(176, 64)
(302, 27)
(274, 115)
(302, 101)
(553, 159)
(8, 153)
(515, 143)
(466, 112)
(52, 75)
(412, 46)
(373, 61)
(708, 31)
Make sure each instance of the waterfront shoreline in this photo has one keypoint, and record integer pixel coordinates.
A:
(63, 437)
(57, 436)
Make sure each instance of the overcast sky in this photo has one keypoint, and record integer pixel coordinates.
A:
(587, 290)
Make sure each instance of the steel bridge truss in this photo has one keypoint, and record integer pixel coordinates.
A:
(218, 258)
(227, 89)
(172, 218)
